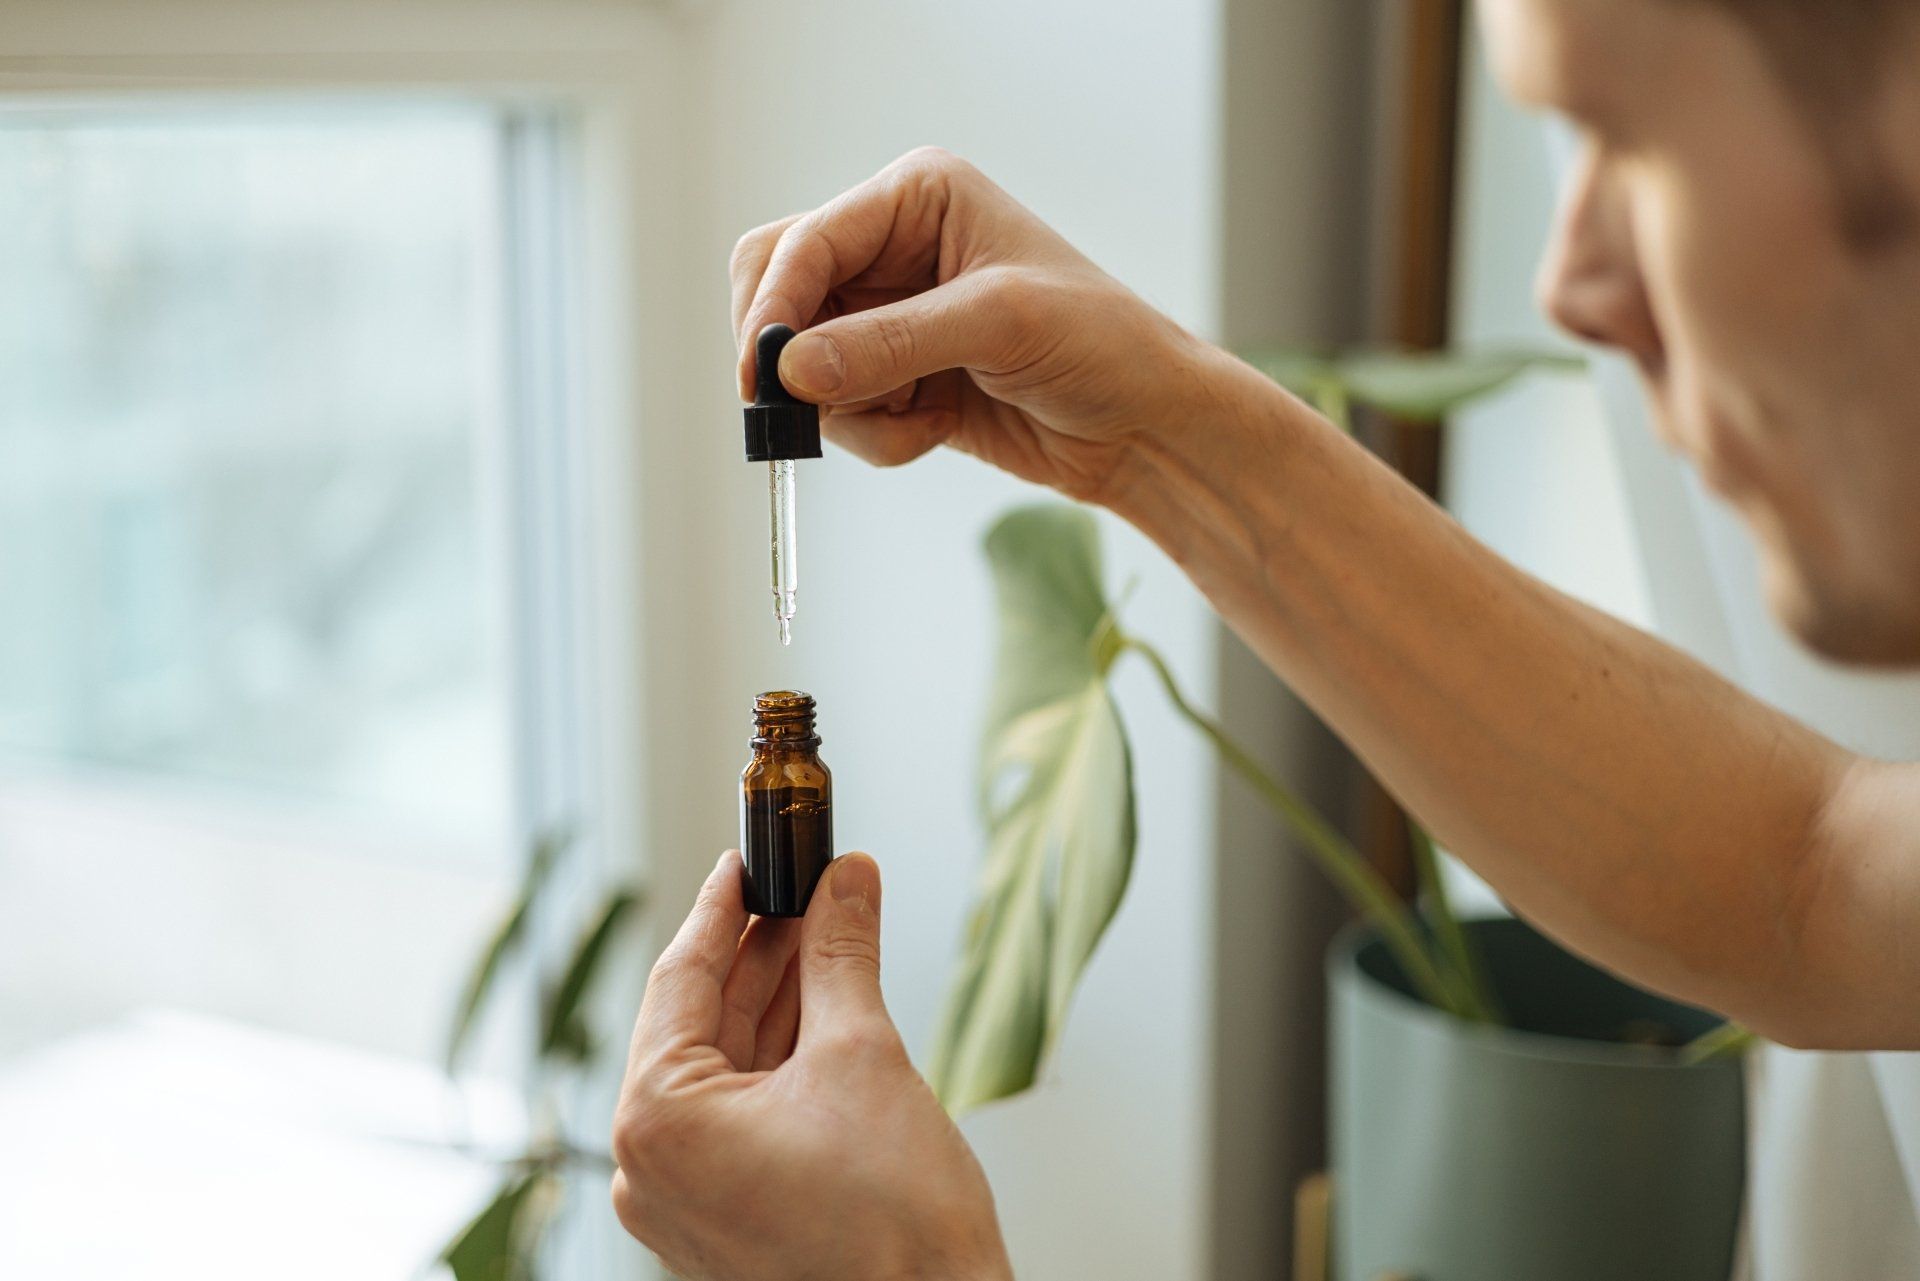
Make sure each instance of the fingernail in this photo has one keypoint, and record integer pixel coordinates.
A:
(812, 365)
(856, 879)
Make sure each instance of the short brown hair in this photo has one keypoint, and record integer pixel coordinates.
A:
(1834, 57)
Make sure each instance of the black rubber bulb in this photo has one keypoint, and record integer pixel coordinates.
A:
(779, 424)
(768, 389)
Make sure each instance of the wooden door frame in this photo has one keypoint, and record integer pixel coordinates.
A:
(1417, 305)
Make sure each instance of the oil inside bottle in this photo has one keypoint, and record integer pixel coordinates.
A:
(786, 807)
(787, 844)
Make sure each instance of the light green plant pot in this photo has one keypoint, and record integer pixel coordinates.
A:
(1548, 1151)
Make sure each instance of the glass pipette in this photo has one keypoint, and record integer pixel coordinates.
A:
(780, 429)
(786, 551)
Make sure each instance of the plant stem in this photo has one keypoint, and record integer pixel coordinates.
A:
(1334, 854)
(1462, 956)
(1729, 1040)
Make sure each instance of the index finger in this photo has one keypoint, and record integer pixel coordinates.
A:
(889, 225)
(748, 264)
(682, 1007)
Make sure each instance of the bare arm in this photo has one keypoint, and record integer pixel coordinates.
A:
(1619, 794)
(1637, 806)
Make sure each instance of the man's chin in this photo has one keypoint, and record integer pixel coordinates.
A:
(1853, 630)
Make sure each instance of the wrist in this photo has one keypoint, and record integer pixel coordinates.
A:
(993, 1269)
(981, 1256)
(1204, 480)
(965, 1247)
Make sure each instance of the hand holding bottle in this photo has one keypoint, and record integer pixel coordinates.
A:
(771, 1125)
(935, 309)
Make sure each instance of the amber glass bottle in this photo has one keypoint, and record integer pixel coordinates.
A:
(786, 806)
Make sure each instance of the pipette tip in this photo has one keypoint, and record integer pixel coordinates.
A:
(786, 631)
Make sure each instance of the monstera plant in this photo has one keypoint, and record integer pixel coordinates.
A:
(1056, 787)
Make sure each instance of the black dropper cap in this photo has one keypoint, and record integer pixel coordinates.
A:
(778, 425)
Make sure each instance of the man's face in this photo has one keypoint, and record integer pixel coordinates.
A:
(1703, 236)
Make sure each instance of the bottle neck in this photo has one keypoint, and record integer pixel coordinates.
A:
(783, 721)
(785, 746)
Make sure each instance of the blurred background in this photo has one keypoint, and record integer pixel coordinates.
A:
(371, 505)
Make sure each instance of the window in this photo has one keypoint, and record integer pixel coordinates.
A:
(251, 392)
(319, 397)
(286, 471)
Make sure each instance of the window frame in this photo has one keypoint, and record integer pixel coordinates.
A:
(613, 72)
(621, 72)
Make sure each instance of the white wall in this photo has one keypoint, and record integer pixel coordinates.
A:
(1104, 121)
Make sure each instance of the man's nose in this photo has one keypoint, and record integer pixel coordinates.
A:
(1590, 282)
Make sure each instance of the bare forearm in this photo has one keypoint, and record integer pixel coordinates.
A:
(1642, 809)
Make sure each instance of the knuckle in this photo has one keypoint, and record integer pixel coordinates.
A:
(891, 341)
(932, 166)
(666, 967)
(774, 304)
(1017, 296)
(745, 250)
(1024, 305)
(630, 1127)
(670, 971)
(622, 1198)
(754, 245)
(635, 1209)
(850, 946)
(645, 1129)
(869, 1041)
(931, 158)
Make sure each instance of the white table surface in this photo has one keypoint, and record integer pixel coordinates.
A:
(170, 1145)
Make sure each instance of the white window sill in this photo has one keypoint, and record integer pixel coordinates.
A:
(172, 1145)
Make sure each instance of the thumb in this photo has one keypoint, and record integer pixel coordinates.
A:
(840, 948)
(869, 354)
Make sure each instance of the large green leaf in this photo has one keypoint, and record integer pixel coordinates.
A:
(1058, 799)
(499, 1243)
(506, 936)
(1046, 567)
(1091, 806)
(1419, 386)
(1430, 386)
(565, 1033)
